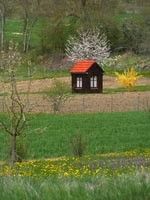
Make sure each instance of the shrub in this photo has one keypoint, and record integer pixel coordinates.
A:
(128, 78)
(78, 145)
(58, 94)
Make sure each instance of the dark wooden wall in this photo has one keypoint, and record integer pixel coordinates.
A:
(94, 71)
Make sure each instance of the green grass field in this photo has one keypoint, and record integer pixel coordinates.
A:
(121, 188)
(49, 135)
(40, 72)
(37, 72)
(14, 30)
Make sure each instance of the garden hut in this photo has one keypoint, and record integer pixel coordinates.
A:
(87, 77)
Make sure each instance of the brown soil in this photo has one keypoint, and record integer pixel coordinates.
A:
(45, 84)
(127, 101)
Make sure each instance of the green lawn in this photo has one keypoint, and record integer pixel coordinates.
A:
(49, 135)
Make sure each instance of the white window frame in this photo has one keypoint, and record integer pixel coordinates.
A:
(93, 82)
(79, 82)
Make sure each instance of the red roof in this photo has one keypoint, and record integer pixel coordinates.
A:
(82, 66)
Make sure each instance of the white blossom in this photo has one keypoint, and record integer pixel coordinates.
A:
(91, 44)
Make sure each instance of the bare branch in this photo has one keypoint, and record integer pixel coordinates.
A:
(5, 127)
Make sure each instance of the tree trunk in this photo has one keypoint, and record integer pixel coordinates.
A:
(2, 30)
(29, 34)
(13, 150)
(83, 2)
(25, 34)
(28, 26)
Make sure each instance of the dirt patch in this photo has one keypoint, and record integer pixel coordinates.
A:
(97, 103)
(127, 101)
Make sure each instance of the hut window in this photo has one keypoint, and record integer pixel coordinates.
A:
(79, 82)
(93, 82)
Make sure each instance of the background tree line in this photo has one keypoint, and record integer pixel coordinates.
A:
(43, 26)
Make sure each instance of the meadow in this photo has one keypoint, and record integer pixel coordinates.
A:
(125, 187)
(115, 164)
(108, 165)
(49, 135)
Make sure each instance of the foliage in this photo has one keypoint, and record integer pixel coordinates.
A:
(126, 60)
(91, 44)
(128, 79)
(54, 35)
(133, 35)
(58, 94)
(103, 132)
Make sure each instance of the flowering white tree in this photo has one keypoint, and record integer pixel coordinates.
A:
(91, 44)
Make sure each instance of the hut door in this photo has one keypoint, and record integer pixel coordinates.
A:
(93, 82)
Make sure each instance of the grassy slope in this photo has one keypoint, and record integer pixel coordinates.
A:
(49, 135)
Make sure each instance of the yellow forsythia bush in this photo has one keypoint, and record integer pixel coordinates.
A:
(128, 78)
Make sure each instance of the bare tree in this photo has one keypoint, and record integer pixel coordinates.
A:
(15, 121)
(90, 44)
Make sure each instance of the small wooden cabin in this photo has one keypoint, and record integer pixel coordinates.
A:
(87, 77)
